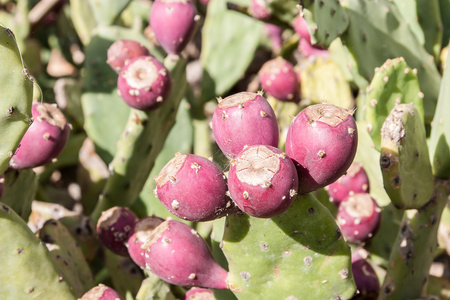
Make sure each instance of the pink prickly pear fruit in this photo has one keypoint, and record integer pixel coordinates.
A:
(244, 119)
(45, 138)
(366, 279)
(278, 79)
(193, 188)
(142, 231)
(274, 33)
(262, 181)
(173, 23)
(177, 254)
(308, 50)
(259, 9)
(322, 141)
(358, 217)
(355, 181)
(144, 83)
(101, 292)
(197, 293)
(301, 28)
(114, 227)
(122, 51)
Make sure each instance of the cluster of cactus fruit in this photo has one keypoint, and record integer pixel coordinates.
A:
(244, 149)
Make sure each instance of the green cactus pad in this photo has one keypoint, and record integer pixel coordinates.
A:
(300, 254)
(440, 129)
(323, 81)
(68, 255)
(416, 242)
(330, 18)
(140, 144)
(154, 287)
(227, 49)
(393, 83)
(404, 155)
(27, 268)
(16, 97)
(377, 32)
(19, 191)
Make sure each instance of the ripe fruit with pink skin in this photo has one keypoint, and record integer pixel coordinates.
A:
(322, 141)
(44, 139)
(177, 254)
(301, 28)
(259, 9)
(142, 231)
(144, 83)
(278, 79)
(193, 188)
(244, 119)
(355, 181)
(196, 293)
(173, 23)
(274, 32)
(101, 292)
(358, 217)
(262, 181)
(114, 227)
(365, 277)
(304, 46)
(122, 51)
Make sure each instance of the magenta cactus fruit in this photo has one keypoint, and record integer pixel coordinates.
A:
(358, 217)
(101, 292)
(197, 293)
(244, 119)
(259, 9)
(274, 33)
(122, 51)
(278, 79)
(193, 188)
(366, 279)
(45, 138)
(262, 181)
(144, 83)
(142, 231)
(173, 23)
(177, 254)
(301, 28)
(322, 141)
(355, 181)
(114, 227)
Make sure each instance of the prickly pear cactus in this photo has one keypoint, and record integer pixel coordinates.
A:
(28, 271)
(15, 106)
(404, 154)
(300, 254)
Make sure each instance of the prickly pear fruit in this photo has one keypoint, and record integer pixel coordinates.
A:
(278, 79)
(196, 293)
(193, 188)
(44, 139)
(114, 227)
(122, 51)
(262, 181)
(259, 9)
(173, 23)
(142, 230)
(301, 28)
(322, 141)
(358, 217)
(101, 292)
(144, 83)
(365, 277)
(274, 33)
(177, 254)
(244, 119)
(353, 182)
